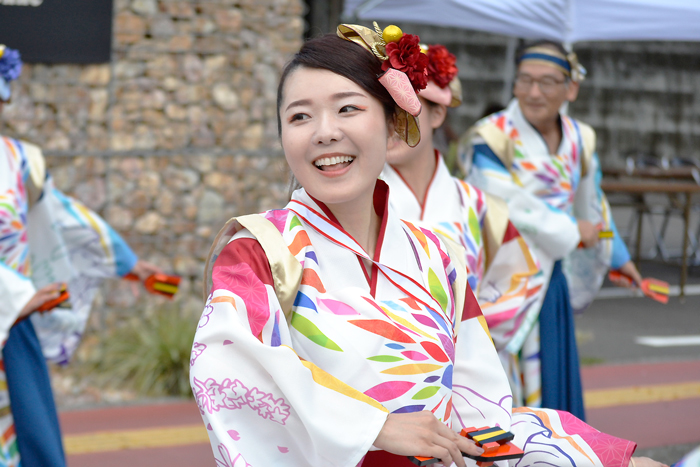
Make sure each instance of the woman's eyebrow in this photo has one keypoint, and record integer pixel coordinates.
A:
(335, 97)
(298, 103)
(343, 95)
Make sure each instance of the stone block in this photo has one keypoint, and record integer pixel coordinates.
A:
(98, 104)
(229, 20)
(92, 193)
(96, 75)
(252, 137)
(118, 217)
(225, 97)
(162, 26)
(210, 207)
(181, 179)
(149, 223)
(165, 202)
(145, 7)
(130, 26)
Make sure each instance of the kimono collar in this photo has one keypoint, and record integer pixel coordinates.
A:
(393, 260)
(407, 194)
(381, 207)
(532, 139)
(443, 199)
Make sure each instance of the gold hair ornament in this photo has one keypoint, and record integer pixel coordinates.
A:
(396, 82)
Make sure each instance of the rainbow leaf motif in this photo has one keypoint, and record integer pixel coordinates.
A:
(447, 377)
(435, 351)
(301, 300)
(426, 393)
(336, 307)
(310, 277)
(333, 383)
(436, 289)
(412, 369)
(389, 390)
(294, 223)
(425, 320)
(385, 358)
(310, 330)
(415, 356)
(409, 409)
(420, 236)
(474, 226)
(382, 328)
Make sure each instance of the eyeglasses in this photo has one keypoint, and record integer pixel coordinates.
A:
(547, 84)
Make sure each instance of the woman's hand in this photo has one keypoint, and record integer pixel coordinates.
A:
(144, 269)
(43, 295)
(422, 434)
(589, 233)
(630, 270)
(645, 462)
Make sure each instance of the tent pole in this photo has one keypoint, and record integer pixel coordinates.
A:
(509, 70)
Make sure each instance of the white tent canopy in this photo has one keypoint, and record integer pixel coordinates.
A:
(565, 21)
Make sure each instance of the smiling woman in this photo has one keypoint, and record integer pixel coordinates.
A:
(329, 336)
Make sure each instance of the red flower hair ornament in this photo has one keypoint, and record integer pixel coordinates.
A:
(406, 55)
(443, 85)
(405, 69)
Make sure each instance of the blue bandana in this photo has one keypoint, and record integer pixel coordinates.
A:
(567, 64)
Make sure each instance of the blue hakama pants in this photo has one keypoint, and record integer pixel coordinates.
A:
(31, 399)
(561, 375)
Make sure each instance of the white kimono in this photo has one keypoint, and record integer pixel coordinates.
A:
(502, 272)
(311, 383)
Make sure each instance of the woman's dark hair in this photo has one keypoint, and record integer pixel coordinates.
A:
(350, 60)
(539, 43)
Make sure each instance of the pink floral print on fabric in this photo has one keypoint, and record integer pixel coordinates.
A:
(242, 281)
(204, 319)
(226, 460)
(197, 350)
(612, 451)
(212, 397)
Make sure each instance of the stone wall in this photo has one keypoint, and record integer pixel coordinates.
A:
(174, 136)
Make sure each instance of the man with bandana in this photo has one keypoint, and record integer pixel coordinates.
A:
(45, 237)
(544, 165)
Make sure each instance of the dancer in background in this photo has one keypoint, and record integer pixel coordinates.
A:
(502, 272)
(543, 163)
(336, 334)
(48, 241)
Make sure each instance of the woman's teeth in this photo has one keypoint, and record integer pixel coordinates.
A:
(333, 160)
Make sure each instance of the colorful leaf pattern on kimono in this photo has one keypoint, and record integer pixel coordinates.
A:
(437, 289)
(382, 328)
(13, 210)
(390, 390)
(310, 330)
